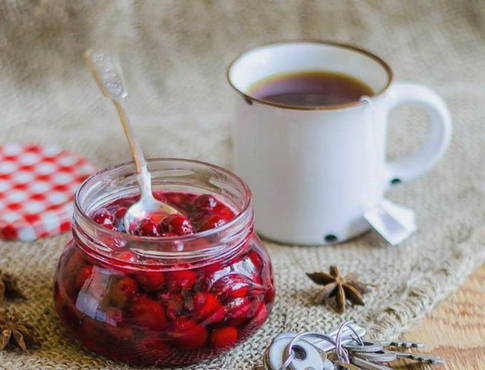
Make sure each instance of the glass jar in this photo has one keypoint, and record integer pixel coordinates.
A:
(163, 301)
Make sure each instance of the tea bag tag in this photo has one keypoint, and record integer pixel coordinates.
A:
(393, 222)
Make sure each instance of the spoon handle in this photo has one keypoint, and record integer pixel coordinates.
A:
(143, 175)
(107, 72)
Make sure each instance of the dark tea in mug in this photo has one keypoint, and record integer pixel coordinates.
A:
(310, 89)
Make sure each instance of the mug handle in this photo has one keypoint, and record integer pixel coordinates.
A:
(413, 165)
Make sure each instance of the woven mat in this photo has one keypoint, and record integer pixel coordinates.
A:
(175, 53)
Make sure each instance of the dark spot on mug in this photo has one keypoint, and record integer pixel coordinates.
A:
(249, 101)
(395, 181)
(330, 238)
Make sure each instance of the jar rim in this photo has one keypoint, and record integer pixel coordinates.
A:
(78, 209)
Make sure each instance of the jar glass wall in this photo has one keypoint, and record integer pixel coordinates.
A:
(163, 301)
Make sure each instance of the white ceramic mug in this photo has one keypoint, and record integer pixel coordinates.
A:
(314, 171)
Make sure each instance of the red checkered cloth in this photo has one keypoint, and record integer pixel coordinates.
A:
(37, 186)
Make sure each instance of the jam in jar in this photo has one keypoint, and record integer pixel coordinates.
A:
(174, 291)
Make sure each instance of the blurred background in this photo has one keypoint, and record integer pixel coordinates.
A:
(175, 55)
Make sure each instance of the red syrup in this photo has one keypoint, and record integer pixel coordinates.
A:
(146, 311)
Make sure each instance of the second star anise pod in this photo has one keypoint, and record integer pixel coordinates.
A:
(13, 332)
(9, 288)
(341, 287)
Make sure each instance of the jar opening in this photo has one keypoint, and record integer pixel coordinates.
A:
(168, 174)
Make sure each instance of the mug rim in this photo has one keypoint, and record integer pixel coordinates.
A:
(343, 45)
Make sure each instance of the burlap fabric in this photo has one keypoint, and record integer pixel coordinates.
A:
(175, 54)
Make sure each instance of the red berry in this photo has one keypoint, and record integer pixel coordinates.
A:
(103, 217)
(84, 274)
(224, 337)
(178, 224)
(210, 274)
(120, 214)
(239, 308)
(256, 260)
(205, 202)
(270, 295)
(148, 313)
(216, 317)
(208, 308)
(260, 316)
(222, 210)
(151, 281)
(160, 196)
(181, 201)
(123, 290)
(180, 280)
(119, 221)
(174, 198)
(212, 221)
(188, 334)
(147, 228)
(232, 286)
(212, 268)
(205, 303)
(257, 283)
(187, 200)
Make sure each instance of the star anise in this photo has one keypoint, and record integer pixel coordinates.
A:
(13, 332)
(343, 288)
(9, 288)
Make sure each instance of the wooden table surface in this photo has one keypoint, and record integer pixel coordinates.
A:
(455, 329)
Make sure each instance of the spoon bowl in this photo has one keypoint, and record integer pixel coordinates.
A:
(147, 208)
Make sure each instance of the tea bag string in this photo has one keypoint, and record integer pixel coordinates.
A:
(370, 115)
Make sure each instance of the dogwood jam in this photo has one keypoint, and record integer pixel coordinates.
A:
(174, 309)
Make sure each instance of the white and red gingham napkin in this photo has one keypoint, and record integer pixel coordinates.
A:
(37, 186)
